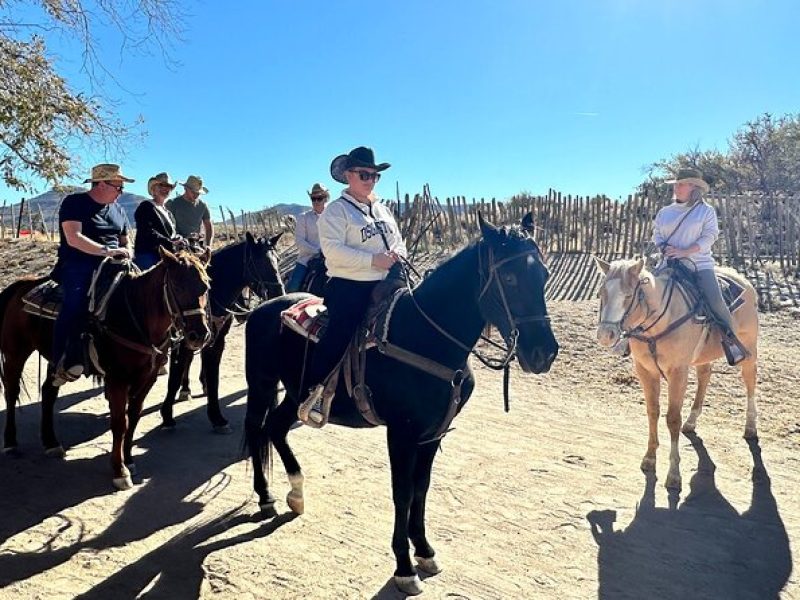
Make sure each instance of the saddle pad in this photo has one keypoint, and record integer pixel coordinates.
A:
(308, 318)
(732, 292)
(44, 300)
(105, 280)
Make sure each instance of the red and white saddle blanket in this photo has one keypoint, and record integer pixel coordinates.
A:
(308, 318)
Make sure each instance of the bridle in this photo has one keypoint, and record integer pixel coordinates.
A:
(252, 275)
(176, 313)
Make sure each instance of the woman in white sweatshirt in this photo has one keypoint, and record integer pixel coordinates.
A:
(686, 229)
(361, 242)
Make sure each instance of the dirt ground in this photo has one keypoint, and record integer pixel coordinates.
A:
(544, 502)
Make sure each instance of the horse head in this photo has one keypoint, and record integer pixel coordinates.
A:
(513, 276)
(262, 273)
(186, 286)
(622, 295)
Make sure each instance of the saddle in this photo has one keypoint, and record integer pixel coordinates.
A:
(732, 292)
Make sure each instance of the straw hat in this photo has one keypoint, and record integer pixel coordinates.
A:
(195, 183)
(318, 190)
(692, 176)
(161, 178)
(107, 172)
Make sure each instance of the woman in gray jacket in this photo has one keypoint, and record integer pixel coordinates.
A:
(361, 242)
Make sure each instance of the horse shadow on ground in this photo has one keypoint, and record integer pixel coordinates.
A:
(704, 549)
(183, 470)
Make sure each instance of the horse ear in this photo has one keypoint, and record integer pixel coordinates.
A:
(527, 223)
(205, 257)
(637, 268)
(601, 264)
(487, 229)
(249, 237)
(274, 239)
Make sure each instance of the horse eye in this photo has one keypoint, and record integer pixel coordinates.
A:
(510, 279)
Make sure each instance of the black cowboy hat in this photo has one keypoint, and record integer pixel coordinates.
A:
(357, 157)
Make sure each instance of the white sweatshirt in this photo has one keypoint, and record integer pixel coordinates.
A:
(350, 233)
(700, 228)
(306, 236)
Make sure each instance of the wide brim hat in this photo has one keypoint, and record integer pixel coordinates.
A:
(357, 157)
(195, 183)
(160, 179)
(317, 190)
(107, 172)
(693, 176)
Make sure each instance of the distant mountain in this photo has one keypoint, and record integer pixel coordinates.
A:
(49, 203)
(290, 209)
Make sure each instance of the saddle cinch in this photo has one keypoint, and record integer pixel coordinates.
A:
(46, 299)
(309, 318)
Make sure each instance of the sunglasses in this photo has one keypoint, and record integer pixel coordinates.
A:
(367, 175)
(119, 188)
(165, 186)
(319, 199)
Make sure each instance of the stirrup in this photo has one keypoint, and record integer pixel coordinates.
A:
(312, 411)
(734, 351)
(69, 375)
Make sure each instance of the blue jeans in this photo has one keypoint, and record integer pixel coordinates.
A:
(70, 323)
(296, 280)
(145, 260)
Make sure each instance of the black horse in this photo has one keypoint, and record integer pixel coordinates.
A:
(250, 263)
(500, 280)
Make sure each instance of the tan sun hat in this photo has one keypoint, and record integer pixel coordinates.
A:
(107, 172)
(161, 178)
(693, 176)
(195, 183)
(318, 190)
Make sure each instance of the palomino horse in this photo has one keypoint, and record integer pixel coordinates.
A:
(131, 345)
(664, 342)
(252, 263)
(500, 280)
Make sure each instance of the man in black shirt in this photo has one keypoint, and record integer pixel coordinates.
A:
(92, 226)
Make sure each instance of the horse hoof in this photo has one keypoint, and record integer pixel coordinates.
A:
(223, 429)
(11, 450)
(123, 483)
(131, 468)
(296, 503)
(55, 452)
(648, 464)
(183, 396)
(750, 434)
(410, 585)
(167, 423)
(429, 565)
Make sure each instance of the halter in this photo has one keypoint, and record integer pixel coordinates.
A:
(251, 272)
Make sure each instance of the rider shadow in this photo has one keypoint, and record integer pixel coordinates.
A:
(183, 469)
(175, 569)
(704, 549)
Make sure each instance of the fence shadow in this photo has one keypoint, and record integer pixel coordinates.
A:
(703, 549)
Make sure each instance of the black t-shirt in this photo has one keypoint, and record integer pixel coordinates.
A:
(102, 223)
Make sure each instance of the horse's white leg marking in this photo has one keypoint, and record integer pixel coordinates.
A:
(410, 585)
(651, 387)
(703, 377)
(295, 497)
(676, 382)
(749, 372)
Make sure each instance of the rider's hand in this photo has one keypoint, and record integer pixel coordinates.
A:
(673, 252)
(384, 260)
(120, 253)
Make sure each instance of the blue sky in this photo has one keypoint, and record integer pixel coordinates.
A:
(476, 98)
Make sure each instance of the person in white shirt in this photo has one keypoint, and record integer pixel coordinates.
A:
(687, 229)
(361, 243)
(306, 235)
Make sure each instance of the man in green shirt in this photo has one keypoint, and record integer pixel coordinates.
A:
(190, 211)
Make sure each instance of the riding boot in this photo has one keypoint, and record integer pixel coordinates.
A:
(735, 352)
(311, 411)
(70, 367)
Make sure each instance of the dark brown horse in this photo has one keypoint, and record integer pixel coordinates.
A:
(131, 344)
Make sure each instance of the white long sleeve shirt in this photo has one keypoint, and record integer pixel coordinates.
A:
(350, 233)
(306, 236)
(700, 228)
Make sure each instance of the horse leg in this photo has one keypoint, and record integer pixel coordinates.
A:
(52, 447)
(676, 384)
(651, 387)
(402, 458)
(278, 423)
(261, 400)
(135, 403)
(178, 368)
(423, 552)
(11, 375)
(117, 396)
(749, 373)
(186, 393)
(703, 377)
(211, 357)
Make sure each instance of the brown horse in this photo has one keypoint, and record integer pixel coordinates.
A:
(664, 343)
(131, 343)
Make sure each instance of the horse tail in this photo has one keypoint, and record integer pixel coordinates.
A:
(5, 299)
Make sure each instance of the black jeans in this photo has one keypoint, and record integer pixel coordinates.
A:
(347, 303)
